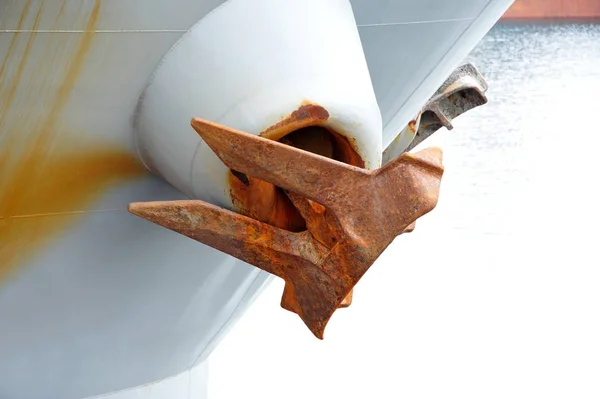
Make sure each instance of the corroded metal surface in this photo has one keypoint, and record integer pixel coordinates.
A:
(307, 114)
(303, 129)
(463, 90)
(351, 215)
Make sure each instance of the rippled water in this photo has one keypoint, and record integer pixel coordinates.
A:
(497, 292)
(527, 159)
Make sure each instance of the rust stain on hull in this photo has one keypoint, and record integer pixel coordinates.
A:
(8, 96)
(13, 40)
(41, 178)
(43, 207)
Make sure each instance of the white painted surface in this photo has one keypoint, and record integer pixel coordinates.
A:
(191, 384)
(248, 74)
(116, 302)
(411, 54)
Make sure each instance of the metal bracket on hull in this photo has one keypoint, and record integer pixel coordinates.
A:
(351, 214)
(463, 90)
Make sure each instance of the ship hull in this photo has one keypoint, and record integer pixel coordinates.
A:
(94, 301)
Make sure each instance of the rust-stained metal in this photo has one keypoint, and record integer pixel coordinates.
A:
(351, 215)
(463, 90)
(303, 129)
(307, 114)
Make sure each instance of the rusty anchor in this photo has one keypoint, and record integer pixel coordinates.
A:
(343, 216)
(351, 214)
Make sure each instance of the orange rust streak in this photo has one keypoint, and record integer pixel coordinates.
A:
(14, 38)
(8, 97)
(75, 68)
(33, 161)
(44, 181)
(64, 185)
(61, 10)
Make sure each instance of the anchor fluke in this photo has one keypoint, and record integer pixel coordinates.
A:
(351, 215)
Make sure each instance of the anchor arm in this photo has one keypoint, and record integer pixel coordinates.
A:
(351, 215)
(264, 246)
(304, 173)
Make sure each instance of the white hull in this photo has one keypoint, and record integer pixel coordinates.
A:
(95, 301)
(185, 385)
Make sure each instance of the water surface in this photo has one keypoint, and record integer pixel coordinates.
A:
(527, 159)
